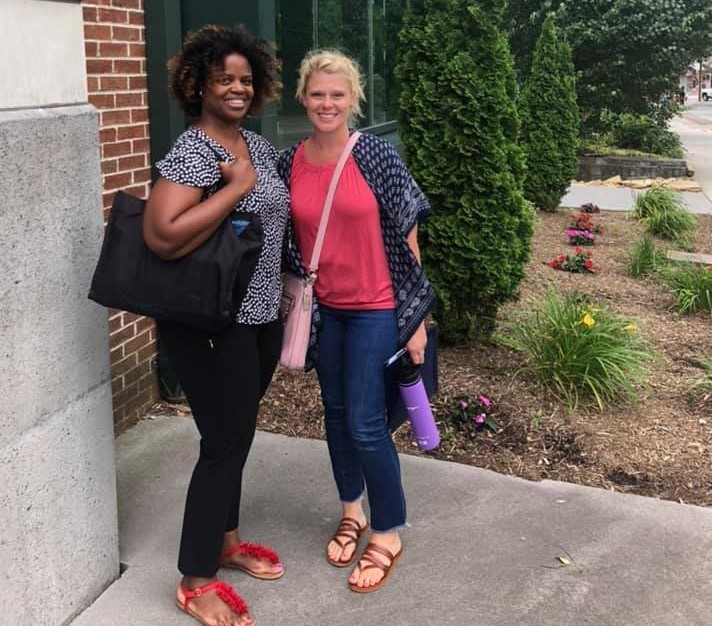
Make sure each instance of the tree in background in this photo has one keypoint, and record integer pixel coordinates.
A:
(522, 24)
(550, 121)
(626, 52)
(459, 124)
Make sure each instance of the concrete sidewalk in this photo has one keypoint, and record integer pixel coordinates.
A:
(482, 549)
(623, 198)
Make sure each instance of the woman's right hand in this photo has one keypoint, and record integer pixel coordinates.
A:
(239, 173)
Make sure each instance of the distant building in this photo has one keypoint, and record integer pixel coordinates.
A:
(695, 76)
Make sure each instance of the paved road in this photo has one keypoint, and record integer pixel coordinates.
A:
(695, 131)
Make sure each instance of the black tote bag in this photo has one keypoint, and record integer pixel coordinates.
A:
(203, 289)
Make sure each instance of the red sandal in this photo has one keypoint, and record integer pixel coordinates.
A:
(257, 551)
(223, 591)
(372, 562)
(347, 534)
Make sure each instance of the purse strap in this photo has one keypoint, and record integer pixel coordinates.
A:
(319, 243)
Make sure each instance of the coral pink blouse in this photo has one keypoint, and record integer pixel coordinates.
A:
(353, 270)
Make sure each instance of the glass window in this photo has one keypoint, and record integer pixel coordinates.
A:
(366, 30)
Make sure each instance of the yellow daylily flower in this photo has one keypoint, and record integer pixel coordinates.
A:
(630, 328)
(588, 320)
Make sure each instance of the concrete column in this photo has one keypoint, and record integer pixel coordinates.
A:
(58, 518)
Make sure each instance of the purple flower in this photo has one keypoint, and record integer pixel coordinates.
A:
(480, 418)
(485, 402)
(575, 232)
(463, 405)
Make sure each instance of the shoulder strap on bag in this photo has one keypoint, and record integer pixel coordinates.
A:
(319, 243)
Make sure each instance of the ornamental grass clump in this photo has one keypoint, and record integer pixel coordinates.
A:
(664, 214)
(704, 382)
(691, 284)
(581, 351)
(644, 256)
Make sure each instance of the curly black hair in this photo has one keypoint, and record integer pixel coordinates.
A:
(205, 49)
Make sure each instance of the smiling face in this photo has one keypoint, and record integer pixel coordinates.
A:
(329, 101)
(229, 92)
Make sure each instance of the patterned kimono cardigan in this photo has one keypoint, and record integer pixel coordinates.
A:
(402, 205)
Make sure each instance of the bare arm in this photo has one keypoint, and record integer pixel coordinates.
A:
(176, 222)
(416, 344)
(413, 242)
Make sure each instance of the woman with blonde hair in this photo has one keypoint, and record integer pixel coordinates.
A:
(372, 298)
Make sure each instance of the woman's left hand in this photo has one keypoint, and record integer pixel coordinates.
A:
(416, 345)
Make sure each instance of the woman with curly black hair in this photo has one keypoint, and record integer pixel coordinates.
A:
(214, 168)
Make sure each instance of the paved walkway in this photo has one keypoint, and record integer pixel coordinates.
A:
(623, 198)
(482, 548)
(695, 133)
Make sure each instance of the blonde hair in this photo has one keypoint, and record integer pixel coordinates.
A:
(331, 62)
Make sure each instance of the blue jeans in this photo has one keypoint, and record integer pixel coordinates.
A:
(353, 346)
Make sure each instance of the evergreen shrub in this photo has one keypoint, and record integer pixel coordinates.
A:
(459, 125)
(550, 121)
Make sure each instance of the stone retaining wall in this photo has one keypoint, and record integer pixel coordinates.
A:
(594, 167)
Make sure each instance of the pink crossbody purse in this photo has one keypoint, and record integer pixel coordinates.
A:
(297, 293)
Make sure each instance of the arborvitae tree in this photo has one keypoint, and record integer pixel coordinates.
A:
(550, 121)
(459, 124)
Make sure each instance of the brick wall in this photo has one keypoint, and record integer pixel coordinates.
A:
(115, 44)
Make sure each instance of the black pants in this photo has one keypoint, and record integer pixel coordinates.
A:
(224, 376)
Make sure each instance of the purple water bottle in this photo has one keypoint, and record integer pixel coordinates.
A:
(415, 398)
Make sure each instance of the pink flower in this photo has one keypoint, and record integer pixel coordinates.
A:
(485, 401)
(463, 405)
(480, 418)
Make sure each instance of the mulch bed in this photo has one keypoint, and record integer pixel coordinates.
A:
(660, 446)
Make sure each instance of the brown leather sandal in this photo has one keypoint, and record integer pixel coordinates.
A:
(373, 562)
(347, 534)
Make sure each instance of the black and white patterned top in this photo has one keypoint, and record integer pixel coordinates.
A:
(401, 206)
(193, 161)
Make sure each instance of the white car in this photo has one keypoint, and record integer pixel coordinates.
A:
(706, 94)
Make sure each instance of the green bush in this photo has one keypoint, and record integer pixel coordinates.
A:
(664, 214)
(459, 124)
(692, 285)
(644, 256)
(582, 352)
(550, 121)
(643, 132)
